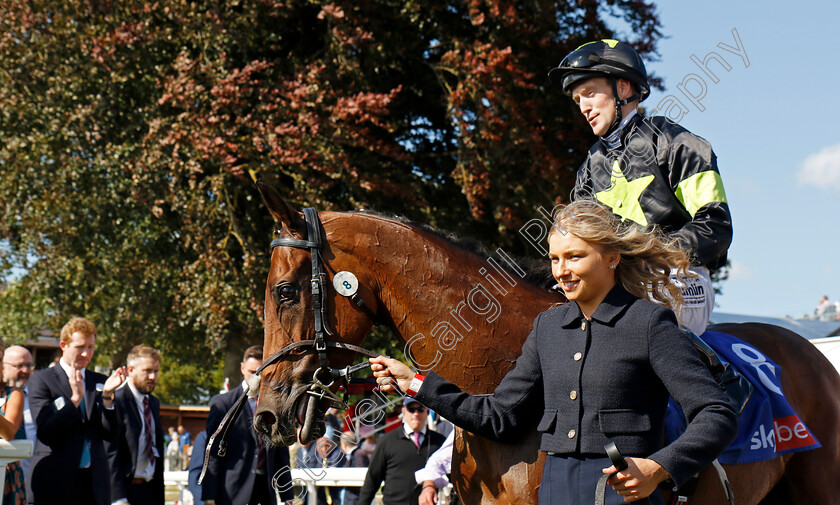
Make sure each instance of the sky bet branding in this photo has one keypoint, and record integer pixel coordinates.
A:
(768, 426)
(787, 433)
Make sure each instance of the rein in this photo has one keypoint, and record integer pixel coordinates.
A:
(347, 285)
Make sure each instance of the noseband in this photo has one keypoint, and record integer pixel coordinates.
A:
(346, 284)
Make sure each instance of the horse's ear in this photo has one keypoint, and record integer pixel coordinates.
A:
(290, 218)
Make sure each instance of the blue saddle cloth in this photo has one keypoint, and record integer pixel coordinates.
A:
(768, 427)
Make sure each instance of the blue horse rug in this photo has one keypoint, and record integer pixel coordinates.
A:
(768, 427)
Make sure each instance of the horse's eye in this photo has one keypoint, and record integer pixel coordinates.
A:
(285, 292)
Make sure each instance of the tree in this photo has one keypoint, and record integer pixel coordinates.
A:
(132, 132)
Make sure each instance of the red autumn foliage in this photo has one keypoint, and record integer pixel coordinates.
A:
(132, 132)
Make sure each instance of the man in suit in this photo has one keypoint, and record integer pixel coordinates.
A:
(17, 368)
(136, 457)
(250, 472)
(400, 453)
(74, 414)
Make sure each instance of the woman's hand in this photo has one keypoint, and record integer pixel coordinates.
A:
(638, 480)
(387, 371)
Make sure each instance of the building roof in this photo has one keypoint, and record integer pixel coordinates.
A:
(808, 328)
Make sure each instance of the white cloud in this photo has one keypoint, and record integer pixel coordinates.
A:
(739, 271)
(821, 169)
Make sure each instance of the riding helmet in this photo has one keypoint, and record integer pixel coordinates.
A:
(607, 57)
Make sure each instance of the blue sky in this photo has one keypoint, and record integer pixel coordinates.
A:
(774, 127)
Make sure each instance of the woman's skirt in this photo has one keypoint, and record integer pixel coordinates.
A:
(571, 480)
(14, 493)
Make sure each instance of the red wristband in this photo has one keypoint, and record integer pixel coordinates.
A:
(416, 382)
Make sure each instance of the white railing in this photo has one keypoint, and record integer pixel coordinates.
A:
(180, 480)
(306, 480)
(13, 450)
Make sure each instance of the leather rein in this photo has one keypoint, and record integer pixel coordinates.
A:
(347, 285)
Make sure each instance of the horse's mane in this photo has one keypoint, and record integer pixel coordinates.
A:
(537, 272)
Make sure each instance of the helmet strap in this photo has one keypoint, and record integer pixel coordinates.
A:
(619, 103)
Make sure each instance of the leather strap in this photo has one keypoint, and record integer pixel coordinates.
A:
(615, 456)
(223, 428)
(293, 242)
(724, 481)
(620, 464)
(601, 489)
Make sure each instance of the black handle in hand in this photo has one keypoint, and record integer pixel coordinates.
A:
(615, 456)
(620, 464)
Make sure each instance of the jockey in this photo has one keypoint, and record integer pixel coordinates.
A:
(648, 170)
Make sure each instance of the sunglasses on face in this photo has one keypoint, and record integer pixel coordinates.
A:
(414, 409)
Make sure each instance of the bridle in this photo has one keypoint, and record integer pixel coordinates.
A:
(346, 284)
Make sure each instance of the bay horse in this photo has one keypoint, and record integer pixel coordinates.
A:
(465, 315)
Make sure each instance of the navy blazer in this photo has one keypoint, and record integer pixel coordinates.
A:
(195, 465)
(62, 429)
(598, 380)
(122, 453)
(230, 480)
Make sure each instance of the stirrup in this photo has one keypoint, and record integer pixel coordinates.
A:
(684, 493)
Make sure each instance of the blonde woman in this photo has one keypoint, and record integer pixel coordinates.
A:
(11, 427)
(600, 368)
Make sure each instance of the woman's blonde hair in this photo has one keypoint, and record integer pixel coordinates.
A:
(647, 256)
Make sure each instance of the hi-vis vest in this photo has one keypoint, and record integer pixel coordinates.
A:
(662, 174)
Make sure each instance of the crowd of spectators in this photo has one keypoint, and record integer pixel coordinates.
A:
(97, 438)
(385, 449)
(348, 442)
(179, 447)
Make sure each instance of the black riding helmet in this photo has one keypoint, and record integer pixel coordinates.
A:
(605, 58)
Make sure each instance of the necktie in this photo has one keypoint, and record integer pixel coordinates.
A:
(147, 415)
(416, 437)
(84, 462)
(260, 444)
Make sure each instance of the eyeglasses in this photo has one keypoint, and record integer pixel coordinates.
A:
(18, 366)
(414, 409)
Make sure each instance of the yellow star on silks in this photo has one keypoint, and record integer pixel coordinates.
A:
(623, 196)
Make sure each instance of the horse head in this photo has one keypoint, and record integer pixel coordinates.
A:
(295, 389)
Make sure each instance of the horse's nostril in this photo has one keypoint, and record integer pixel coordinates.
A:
(264, 421)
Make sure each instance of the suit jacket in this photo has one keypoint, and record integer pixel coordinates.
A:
(606, 378)
(62, 429)
(195, 465)
(122, 453)
(230, 480)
